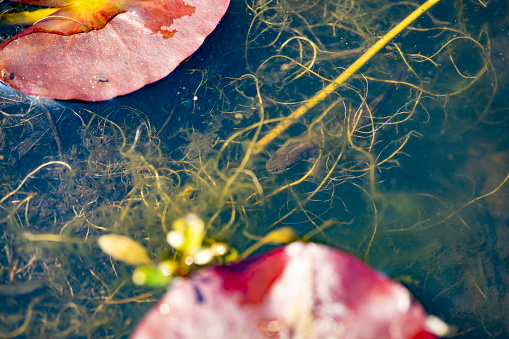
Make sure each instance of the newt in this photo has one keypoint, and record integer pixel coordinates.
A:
(291, 154)
(20, 288)
(287, 157)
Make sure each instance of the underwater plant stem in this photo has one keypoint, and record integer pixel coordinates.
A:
(28, 317)
(168, 119)
(284, 235)
(54, 130)
(32, 173)
(283, 125)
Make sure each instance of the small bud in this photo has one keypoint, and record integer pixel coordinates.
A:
(189, 260)
(124, 249)
(203, 257)
(175, 239)
(150, 276)
(219, 249)
(167, 267)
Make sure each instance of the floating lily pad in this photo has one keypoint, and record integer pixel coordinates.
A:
(299, 291)
(96, 50)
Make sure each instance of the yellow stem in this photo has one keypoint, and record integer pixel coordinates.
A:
(26, 18)
(283, 125)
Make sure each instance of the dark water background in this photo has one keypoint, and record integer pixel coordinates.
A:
(432, 233)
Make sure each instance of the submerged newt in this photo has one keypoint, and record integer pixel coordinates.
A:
(20, 288)
(286, 157)
(291, 154)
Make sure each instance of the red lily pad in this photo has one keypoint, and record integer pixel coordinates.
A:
(299, 291)
(96, 50)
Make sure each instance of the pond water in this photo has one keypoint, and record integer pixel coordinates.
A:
(415, 186)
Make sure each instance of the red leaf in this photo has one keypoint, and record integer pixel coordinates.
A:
(300, 291)
(89, 53)
(251, 277)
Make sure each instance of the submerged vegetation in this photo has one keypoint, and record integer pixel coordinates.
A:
(416, 186)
